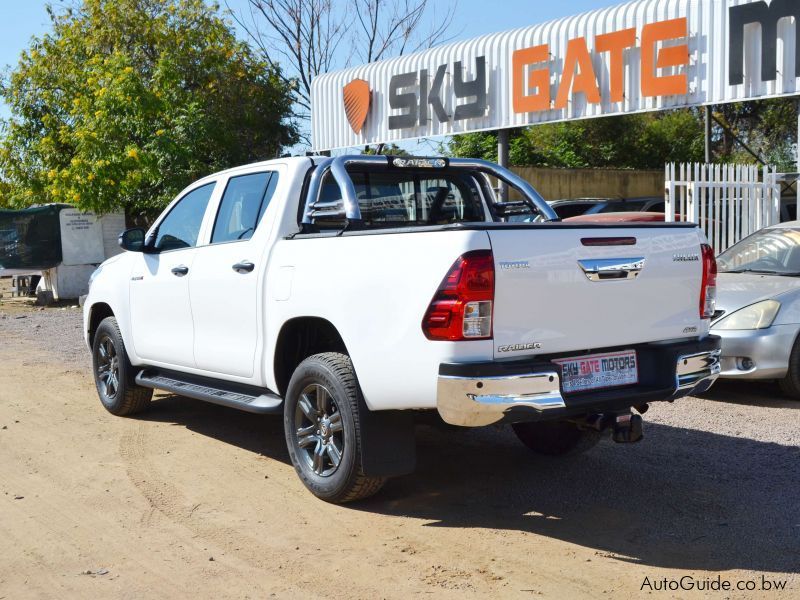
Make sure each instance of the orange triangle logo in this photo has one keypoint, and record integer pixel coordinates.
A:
(357, 99)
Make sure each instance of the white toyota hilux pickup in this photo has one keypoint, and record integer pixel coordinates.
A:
(356, 295)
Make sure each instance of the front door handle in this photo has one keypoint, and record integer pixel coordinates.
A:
(180, 270)
(243, 267)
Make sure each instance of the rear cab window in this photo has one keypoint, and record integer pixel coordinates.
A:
(408, 198)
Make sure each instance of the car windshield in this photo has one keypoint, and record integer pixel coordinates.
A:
(771, 251)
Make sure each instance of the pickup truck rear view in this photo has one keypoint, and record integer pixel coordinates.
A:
(357, 295)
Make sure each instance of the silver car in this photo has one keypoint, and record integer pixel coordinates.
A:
(758, 307)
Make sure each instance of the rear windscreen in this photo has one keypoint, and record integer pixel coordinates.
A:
(408, 198)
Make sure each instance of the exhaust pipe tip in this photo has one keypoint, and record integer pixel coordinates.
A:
(627, 429)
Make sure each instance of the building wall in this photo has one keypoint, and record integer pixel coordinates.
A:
(87, 240)
(113, 224)
(557, 184)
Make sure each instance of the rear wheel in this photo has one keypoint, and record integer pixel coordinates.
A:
(322, 429)
(790, 385)
(113, 373)
(556, 438)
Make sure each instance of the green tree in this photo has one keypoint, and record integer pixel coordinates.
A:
(674, 136)
(628, 141)
(768, 127)
(385, 149)
(127, 101)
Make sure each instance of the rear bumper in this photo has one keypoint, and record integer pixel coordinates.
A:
(476, 394)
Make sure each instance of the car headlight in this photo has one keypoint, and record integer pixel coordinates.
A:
(756, 316)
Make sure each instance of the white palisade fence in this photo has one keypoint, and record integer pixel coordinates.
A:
(728, 201)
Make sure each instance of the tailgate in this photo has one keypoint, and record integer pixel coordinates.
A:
(560, 289)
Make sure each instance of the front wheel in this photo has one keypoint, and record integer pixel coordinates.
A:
(114, 374)
(556, 438)
(321, 424)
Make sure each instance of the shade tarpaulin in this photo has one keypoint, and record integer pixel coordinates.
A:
(30, 239)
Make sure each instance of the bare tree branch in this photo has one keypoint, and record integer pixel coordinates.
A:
(309, 37)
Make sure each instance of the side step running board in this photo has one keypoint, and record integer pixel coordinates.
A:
(231, 395)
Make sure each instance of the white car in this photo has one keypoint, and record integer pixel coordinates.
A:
(758, 313)
(352, 293)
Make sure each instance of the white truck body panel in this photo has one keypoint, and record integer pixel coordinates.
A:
(228, 325)
(546, 301)
(375, 289)
(159, 303)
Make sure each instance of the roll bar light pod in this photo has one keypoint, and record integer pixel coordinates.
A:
(352, 212)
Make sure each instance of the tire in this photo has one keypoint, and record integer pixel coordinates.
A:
(556, 438)
(114, 374)
(790, 385)
(321, 423)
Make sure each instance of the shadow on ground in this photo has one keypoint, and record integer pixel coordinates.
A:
(260, 434)
(751, 393)
(682, 499)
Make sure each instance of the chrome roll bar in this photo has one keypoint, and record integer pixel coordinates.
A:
(529, 193)
(338, 168)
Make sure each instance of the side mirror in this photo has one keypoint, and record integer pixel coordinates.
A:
(132, 240)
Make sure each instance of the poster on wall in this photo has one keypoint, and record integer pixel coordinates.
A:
(81, 238)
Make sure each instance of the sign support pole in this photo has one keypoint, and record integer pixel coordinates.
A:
(797, 151)
(502, 159)
(707, 113)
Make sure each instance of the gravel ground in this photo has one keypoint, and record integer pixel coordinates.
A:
(54, 330)
(713, 486)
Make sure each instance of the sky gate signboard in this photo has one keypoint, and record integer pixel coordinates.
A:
(641, 56)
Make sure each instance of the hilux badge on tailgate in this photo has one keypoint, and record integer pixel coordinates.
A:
(685, 258)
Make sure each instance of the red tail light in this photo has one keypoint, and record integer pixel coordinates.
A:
(461, 309)
(708, 291)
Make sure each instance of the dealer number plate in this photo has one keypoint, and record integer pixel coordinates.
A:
(581, 373)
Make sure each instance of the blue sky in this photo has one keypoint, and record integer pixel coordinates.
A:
(23, 19)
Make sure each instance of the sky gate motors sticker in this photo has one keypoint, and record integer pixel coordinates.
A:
(583, 373)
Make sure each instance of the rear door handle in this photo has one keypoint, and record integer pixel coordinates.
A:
(243, 267)
(180, 270)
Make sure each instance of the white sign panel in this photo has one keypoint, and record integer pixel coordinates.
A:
(642, 56)
(81, 238)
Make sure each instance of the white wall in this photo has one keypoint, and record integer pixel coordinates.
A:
(86, 241)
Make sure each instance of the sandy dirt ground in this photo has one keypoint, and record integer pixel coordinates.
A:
(194, 500)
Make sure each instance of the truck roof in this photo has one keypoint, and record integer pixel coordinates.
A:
(262, 163)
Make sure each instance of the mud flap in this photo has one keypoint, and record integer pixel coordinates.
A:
(388, 447)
